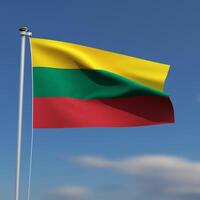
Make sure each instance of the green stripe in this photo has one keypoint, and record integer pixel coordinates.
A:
(85, 84)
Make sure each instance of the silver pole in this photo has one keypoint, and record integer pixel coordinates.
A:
(23, 32)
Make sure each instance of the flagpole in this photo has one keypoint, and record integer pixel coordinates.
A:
(24, 32)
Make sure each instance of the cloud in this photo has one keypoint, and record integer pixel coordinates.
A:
(71, 192)
(93, 161)
(157, 176)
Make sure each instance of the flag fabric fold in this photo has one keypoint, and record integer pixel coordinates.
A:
(79, 86)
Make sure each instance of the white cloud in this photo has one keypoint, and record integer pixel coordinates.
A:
(157, 175)
(93, 161)
(72, 192)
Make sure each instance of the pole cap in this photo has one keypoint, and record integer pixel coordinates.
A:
(24, 31)
(24, 28)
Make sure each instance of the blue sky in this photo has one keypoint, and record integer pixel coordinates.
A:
(157, 162)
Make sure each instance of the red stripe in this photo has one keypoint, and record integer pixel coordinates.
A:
(130, 111)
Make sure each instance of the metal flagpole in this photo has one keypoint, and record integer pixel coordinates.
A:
(23, 32)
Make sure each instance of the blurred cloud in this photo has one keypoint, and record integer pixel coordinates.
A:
(158, 177)
(70, 192)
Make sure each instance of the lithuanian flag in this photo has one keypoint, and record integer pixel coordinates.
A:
(79, 86)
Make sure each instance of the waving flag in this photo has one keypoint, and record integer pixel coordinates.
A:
(79, 86)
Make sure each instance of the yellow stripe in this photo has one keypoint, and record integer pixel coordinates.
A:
(56, 54)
